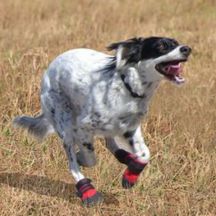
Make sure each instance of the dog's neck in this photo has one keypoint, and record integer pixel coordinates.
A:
(138, 84)
(129, 88)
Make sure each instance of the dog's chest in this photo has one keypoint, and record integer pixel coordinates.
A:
(113, 125)
(113, 118)
(114, 111)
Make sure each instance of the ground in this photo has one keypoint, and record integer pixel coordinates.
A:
(179, 128)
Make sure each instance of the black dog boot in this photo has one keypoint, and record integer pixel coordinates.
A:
(87, 193)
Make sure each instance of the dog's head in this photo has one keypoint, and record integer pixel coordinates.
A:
(155, 57)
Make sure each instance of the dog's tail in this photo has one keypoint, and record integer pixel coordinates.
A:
(38, 126)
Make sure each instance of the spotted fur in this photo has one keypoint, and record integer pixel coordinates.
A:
(86, 93)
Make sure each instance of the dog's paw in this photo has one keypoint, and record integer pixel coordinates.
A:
(132, 172)
(129, 179)
(87, 193)
(91, 200)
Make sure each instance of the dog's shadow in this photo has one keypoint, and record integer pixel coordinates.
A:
(44, 186)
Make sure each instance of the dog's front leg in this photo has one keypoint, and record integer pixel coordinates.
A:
(136, 141)
(135, 161)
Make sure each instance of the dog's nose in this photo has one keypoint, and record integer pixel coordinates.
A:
(186, 50)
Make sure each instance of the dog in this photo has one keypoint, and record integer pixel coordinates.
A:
(86, 93)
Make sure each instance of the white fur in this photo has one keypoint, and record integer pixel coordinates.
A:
(81, 98)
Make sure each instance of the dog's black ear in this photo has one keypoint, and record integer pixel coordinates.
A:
(128, 51)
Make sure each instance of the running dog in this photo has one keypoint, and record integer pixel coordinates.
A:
(86, 93)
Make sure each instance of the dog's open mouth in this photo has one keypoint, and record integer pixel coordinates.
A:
(172, 70)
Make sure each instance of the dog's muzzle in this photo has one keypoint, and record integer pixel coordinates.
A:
(172, 70)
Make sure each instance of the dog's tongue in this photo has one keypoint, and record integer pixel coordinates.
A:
(174, 69)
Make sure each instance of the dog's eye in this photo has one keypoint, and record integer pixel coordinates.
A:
(175, 43)
(162, 47)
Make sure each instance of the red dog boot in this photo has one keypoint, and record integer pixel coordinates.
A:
(87, 192)
(135, 167)
(131, 174)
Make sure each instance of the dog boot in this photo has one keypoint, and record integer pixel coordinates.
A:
(134, 167)
(87, 193)
(131, 174)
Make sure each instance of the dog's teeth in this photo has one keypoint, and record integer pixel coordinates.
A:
(176, 66)
(179, 80)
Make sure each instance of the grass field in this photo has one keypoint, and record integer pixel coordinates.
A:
(180, 128)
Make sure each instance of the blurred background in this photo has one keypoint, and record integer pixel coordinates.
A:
(179, 128)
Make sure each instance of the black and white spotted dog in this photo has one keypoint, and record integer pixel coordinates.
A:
(87, 93)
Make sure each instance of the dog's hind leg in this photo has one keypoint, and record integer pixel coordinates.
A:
(135, 161)
(61, 116)
(85, 155)
(85, 190)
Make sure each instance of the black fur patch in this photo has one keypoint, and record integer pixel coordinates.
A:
(149, 85)
(52, 111)
(137, 49)
(133, 94)
(110, 66)
(89, 146)
(145, 82)
(128, 134)
(97, 114)
(131, 142)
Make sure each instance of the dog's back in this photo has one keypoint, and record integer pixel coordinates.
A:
(70, 76)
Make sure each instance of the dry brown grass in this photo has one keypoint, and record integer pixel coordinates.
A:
(180, 127)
